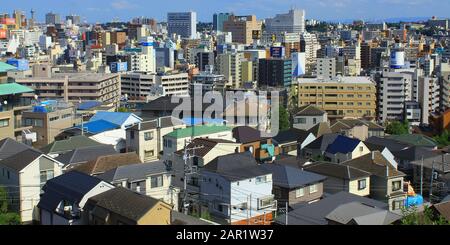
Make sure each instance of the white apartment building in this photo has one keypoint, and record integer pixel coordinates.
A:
(326, 68)
(444, 74)
(145, 59)
(429, 96)
(229, 65)
(183, 24)
(311, 45)
(292, 22)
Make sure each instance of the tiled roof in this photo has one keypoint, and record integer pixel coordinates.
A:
(117, 118)
(197, 131)
(134, 172)
(374, 163)
(14, 88)
(105, 163)
(291, 135)
(310, 110)
(414, 139)
(320, 129)
(289, 177)
(98, 126)
(10, 147)
(72, 143)
(245, 134)
(336, 170)
(4, 67)
(85, 154)
(342, 144)
(20, 160)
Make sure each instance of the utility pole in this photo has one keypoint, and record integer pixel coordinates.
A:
(431, 183)
(248, 208)
(187, 171)
(287, 212)
(421, 178)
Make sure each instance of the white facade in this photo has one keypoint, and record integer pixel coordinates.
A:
(429, 96)
(229, 65)
(292, 22)
(326, 68)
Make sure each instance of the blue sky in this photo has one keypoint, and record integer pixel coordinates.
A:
(106, 10)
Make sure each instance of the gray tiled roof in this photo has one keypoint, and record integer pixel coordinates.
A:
(310, 110)
(291, 135)
(245, 134)
(10, 147)
(20, 160)
(289, 177)
(85, 154)
(322, 142)
(336, 170)
(362, 214)
(315, 213)
(134, 172)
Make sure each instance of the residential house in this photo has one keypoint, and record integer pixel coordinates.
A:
(344, 148)
(292, 185)
(385, 152)
(10, 147)
(83, 155)
(356, 128)
(177, 139)
(415, 153)
(356, 213)
(65, 196)
(120, 206)
(415, 140)
(320, 129)
(316, 213)
(386, 182)
(262, 149)
(62, 146)
(152, 179)
(317, 148)
(24, 174)
(309, 116)
(391, 144)
(146, 138)
(104, 163)
(342, 178)
(437, 166)
(183, 219)
(237, 191)
(123, 119)
(293, 140)
(442, 209)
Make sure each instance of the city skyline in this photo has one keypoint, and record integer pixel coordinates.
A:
(328, 10)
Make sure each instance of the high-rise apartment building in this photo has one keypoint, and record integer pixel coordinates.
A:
(52, 18)
(292, 22)
(183, 24)
(343, 97)
(428, 96)
(309, 45)
(203, 59)
(75, 19)
(242, 27)
(275, 72)
(444, 75)
(219, 19)
(229, 65)
(326, 68)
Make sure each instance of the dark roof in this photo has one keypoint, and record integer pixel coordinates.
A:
(444, 209)
(362, 214)
(315, 213)
(440, 162)
(134, 172)
(105, 163)
(415, 153)
(342, 144)
(291, 161)
(10, 147)
(165, 104)
(183, 219)
(289, 177)
(392, 145)
(71, 186)
(322, 142)
(236, 166)
(72, 143)
(20, 160)
(414, 139)
(85, 154)
(320, 129)
(153, 124)
(291, 135)
(125, 202)
(374, 163)
(336, 170)
(245, 134)
(351, 123)
(310, 110)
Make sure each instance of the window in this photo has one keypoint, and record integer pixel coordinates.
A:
(397, 204)
(299, 192)
(361, 148)
(46, 175)
(148, 136)
(396, 185)
(4, 123)
(313, 188)
(167, 143)
(362, 184)
(265, 202)
(149, 153)
(261, 179)
(156, 181)
(301, 120)
(38, 123)
(314, 121)
(132, 134)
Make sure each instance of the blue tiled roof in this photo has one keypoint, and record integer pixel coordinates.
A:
(88, 105)
(98, 126)
(117, 118)
(342, 144)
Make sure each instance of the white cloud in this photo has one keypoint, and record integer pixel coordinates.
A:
(123, 5)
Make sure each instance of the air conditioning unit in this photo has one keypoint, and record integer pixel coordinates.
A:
(28, 136)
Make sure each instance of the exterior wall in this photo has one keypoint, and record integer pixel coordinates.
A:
(308, 196)
(358, 153)
(353, 187)
(359, 132)
(378, 190)
(116, 137)
(165, 192)
(309, 121)
(160, 214)
(30, 186)
(7, 132)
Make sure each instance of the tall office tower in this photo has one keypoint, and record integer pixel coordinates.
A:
(183, 24)
(203, 59)
(20, 19)
(444, 76)
(31, 22)
(429, 96)
(52, 19)
(326, 68)
(291, 42)
(229, 65)
(242, 27)
(292, 22)
(219, 19)
(275, 72)
(394, 89)
(76, 20)
(309, 45)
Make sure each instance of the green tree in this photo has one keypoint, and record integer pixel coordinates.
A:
(412, 217)
(7, 218)
(123, 109)
(284, 119)
(443, 140)
(397, 127)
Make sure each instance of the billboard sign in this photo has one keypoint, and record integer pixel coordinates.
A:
(277, 52)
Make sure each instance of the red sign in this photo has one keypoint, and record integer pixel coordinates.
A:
(8, 21)
(2, 34)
